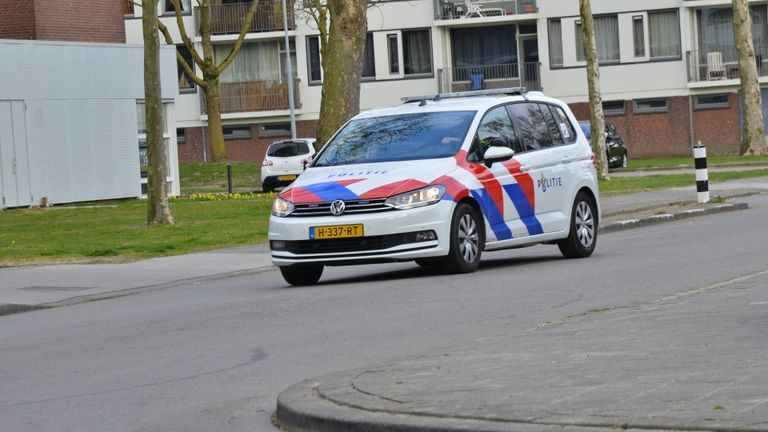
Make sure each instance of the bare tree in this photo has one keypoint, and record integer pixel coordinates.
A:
(343, 25)
(753, 135)
(593, 81)
(211, 70)
(158, 211)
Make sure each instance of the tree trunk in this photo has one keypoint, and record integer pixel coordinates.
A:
(753, 135)
(593, 81)
(215, 131)
(342, 66)
(158, 211)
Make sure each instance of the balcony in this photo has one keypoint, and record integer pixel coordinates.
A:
(489, 77)
(228, 18)
(717, 64)
(459, 9)
(254, 96)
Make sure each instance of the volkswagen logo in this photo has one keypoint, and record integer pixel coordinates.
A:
(337, 207)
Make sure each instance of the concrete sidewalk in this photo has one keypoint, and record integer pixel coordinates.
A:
(693, 362)
(34, 287)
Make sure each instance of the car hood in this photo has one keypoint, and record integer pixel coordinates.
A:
(366, 181)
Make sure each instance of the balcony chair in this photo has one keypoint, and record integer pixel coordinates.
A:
(715, 67)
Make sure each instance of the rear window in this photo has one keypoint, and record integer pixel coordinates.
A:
(288, 149)
(398, 138)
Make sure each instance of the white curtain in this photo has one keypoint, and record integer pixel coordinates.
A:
(254, 62)
(607, 36)
(665, 34)
(417, 53)
(556, 43)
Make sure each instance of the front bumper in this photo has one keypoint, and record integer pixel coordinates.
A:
(388, 236)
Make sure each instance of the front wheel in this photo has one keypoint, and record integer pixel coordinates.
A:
(302, 275)
(582, 238)
(467, 241)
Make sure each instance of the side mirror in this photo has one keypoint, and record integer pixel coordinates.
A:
(497, 154)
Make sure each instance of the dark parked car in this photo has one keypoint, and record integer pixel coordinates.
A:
(615, 149)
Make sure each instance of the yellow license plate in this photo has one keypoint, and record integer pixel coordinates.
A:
(287, 177)
(335, 231)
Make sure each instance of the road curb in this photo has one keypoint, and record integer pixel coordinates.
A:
(668, 217)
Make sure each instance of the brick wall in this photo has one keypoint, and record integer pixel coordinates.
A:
(80, 20)
(250, 150)
(668, 134)
(17, 19)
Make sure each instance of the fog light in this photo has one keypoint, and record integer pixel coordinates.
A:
(277, 245)
(426, 236)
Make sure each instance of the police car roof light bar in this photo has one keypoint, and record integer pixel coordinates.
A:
(509, 91)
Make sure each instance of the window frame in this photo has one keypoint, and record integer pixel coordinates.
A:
(265, 130)
(234, 135)
(636, 109)
(679, 36)
(550, 38)
(310, 60)
(699, 106)
(372, 55)
(393, 54)
(431, 72)
(638, 40)
(615, 111)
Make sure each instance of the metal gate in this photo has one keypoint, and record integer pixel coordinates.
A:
(14, 156)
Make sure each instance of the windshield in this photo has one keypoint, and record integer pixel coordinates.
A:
(398, 137)
(288, 149)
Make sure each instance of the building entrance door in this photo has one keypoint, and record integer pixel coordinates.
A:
(529, 67)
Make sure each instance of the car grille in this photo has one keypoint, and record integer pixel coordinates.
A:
(372, 243)
(352, 207)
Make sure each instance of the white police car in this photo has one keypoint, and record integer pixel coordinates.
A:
(440, 180)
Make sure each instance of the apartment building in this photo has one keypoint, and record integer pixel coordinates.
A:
(669, 74)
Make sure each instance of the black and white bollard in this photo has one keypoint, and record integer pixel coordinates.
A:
(702, 177)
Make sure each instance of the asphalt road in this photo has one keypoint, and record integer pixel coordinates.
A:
(213, 356)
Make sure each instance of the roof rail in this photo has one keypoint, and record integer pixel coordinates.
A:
(509, 91)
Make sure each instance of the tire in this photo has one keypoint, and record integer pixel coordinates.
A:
(267, 189)
(302, 275)
(582, 237)
(467, 241)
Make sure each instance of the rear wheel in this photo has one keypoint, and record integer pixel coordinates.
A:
(582, 238)
(302, 275)
(467, 241)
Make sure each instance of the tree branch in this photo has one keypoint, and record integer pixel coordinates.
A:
(184, 36)
(182, 61)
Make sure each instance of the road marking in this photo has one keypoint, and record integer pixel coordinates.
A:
(754, 406)
(714, 391)
(715, 286)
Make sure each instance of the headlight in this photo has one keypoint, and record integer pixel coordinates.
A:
(282, 208)
(418, 198)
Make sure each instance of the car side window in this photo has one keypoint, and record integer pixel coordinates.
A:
(495, 129)
(533, 128)
(565, 126)
(554, 131)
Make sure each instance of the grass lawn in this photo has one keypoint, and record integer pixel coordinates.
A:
(620, 185)
(117, 230)
(211, 177)
(667, 162)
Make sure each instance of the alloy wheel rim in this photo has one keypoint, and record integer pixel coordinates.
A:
(468, 238)
(585, 224)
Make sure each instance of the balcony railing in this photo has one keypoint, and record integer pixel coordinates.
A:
(719, 63)
(455, 9)
(253, 96)
(490, 77)
(228, 18)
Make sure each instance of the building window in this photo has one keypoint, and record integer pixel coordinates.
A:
(638, 31)
(664, 34)
(237, 132)
(185, 82)
(555, 43)
(715, 33)
(256, 61)
(650, 106)
(313, 63)
(168, 8)
(417, 52)
(713, 101)
(393, 53)
(607, 37)
(613, 107)
(275, 129)
(484, 53)
(369, 60)
(181, 135)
